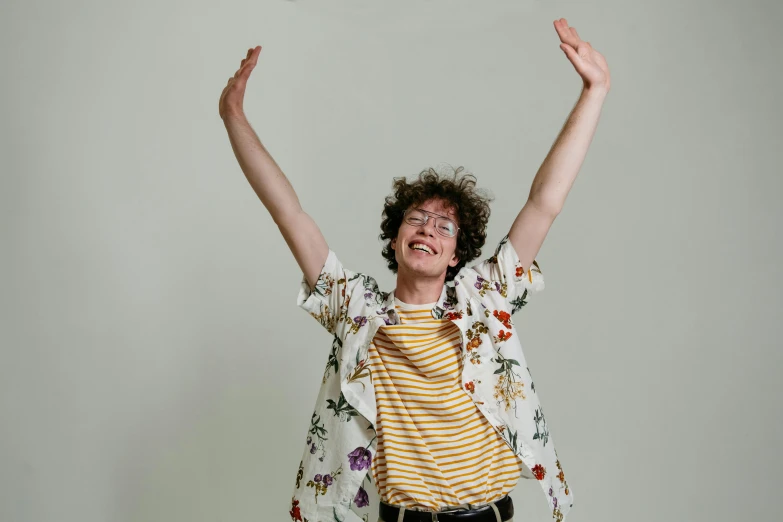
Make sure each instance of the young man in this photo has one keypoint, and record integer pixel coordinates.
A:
(426, 394)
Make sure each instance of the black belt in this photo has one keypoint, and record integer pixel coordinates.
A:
(389, 513)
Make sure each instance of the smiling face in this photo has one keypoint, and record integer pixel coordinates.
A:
(421, 250)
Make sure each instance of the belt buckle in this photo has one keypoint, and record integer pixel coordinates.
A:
(448, 511)
(454, 509)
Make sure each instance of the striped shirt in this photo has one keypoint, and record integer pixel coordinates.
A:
(434, 449)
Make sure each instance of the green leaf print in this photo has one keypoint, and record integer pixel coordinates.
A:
(518, 302)
(542, 432)
(342, 409)
(334, 358)
(320, 433)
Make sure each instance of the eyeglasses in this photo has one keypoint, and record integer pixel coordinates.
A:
(418, 217)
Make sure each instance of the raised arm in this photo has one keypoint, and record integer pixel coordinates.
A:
(557, 173)
(300, 232)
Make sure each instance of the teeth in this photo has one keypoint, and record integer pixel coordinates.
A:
(425, 248)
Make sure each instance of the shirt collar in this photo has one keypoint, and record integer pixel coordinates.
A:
(446, 302)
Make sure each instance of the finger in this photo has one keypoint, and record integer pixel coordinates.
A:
(254, 56)
(251, 62)
(245, 70)
(241, 83)
(575, 40)
(584, 49)
(239, 72)
(563, 31)
(247, 57)
(570, 53)
(247, 64)
(560, 29)
(566, 28)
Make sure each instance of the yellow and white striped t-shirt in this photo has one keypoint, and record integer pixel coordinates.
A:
(435, 449)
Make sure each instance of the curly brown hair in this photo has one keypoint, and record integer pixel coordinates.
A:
(470, 204)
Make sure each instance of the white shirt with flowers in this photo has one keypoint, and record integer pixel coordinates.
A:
(334, 480)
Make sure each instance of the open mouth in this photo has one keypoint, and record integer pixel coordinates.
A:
(421, 247)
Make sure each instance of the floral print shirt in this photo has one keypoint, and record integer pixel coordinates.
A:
(333, 482)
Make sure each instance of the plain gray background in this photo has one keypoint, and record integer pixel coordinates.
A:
(154, 365)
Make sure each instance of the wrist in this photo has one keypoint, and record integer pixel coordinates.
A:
(595, 91)
(233, 116)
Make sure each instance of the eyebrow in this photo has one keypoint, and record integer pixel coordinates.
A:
(434, 214)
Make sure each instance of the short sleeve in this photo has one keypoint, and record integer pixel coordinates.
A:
(504, 274)
(326, 300)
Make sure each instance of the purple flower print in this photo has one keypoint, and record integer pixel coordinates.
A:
(361, 499)
(360, 459)
(312, 448)
(497, 286)
(328, 480)
(317, 478)
(554, 501)
(479, 280)
(360, 320)
(368, 295)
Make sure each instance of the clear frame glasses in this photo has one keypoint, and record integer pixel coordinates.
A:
(418, 217)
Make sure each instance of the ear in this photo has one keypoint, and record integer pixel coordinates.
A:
(394, 244)
(454, 261)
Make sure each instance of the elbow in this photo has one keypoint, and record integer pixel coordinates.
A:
(549, 206)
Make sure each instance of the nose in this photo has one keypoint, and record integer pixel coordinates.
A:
(429, 227)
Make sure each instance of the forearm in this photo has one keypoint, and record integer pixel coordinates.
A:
(557, 173)
(262, 172)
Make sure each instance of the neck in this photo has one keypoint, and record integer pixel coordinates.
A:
(418, 289)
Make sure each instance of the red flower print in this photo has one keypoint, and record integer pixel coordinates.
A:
(520, 271)
(470, 387)
(295, 514)
(503, 317)
(453, 315)
(538, 471)
(504, 336)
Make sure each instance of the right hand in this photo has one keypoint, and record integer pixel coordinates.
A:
(232, 98)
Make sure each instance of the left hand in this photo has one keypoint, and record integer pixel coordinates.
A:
(588, 62)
